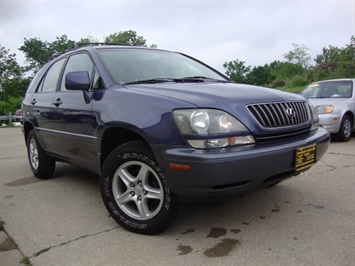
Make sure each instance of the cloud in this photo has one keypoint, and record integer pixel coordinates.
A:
(257, 32)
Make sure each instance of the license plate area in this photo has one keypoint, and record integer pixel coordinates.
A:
(305, 157)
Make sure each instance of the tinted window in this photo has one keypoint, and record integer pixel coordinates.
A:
(51, 80)
(78, 62)
(37, 79)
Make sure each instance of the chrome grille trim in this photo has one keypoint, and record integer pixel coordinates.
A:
(274, 115)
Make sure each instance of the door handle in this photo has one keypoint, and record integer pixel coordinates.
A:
(57, 102)
(33, 102)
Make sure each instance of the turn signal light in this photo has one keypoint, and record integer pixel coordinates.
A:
(180, 167)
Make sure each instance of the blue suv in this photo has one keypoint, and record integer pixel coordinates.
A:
(162, 128)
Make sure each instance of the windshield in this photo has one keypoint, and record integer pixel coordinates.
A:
(328, 89)
(144, 65)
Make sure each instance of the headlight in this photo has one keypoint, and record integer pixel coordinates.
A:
(324, 109)
(208, 128)
(200, 121)
(315, 118)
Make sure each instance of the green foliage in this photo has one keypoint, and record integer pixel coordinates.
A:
(12, 84)
(15, 87)
(26, 261)
(296, 72)
(38, 52)
(286, 70)
(335, 62)
(129, 37)
(237, 71)
(10, 105)
(260, 75)
(9, 68)
(89, 39)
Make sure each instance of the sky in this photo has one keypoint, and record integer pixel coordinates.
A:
(215, 32)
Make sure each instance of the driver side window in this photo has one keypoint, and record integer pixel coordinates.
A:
(78, 62)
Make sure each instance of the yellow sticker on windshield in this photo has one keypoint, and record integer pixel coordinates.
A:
(313, 85)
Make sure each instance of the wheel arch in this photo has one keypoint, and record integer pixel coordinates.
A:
(115, 136)
(349, 113)
(27, 127)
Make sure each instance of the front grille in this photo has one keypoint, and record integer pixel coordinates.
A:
(276, 115)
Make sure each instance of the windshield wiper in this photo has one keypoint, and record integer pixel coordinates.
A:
(198, 79)
(151, 81)
(194, 79)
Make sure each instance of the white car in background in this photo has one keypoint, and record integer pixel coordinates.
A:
(334, 101)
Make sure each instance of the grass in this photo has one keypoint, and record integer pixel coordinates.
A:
(26, 261)
(293, 89)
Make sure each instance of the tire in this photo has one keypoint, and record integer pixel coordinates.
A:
(135, 191)
(42, 165)
(345, 130)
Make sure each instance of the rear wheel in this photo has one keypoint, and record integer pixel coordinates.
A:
(42, 165)
(345, 130)
(135, 191)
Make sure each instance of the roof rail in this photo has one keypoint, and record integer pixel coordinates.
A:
(81, 44)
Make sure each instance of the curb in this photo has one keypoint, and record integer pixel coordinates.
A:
(9, 253)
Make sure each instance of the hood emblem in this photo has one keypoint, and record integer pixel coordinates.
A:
(290, 112)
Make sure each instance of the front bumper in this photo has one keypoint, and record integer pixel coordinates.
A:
(330, 122)
(220, 173)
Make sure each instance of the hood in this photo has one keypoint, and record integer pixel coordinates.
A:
(229, 97)
(216, 95)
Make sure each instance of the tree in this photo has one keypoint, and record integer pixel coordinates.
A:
(237, 71)
(38, 52)
(298, 55)
(10, 105)
(335, 62)
(286, 70)
(88, 39)
(129, 37)
(260, 75)
(9, 68)
(10, 75)
(12, 85)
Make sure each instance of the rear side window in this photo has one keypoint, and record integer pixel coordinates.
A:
(37, 79)
(51, 79)
(78, 62)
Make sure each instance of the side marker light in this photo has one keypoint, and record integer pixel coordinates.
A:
(179, 167)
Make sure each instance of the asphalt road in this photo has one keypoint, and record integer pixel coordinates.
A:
(307, 220)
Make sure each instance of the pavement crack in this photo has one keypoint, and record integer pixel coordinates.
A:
(339, 153)
(70, 241)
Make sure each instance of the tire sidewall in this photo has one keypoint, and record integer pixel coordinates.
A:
(341, 134)
(31, 136)
(169, 208)
(46, 165)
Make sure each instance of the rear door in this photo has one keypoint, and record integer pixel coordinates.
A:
(42, 111)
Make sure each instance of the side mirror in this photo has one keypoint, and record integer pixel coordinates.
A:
(78, 80)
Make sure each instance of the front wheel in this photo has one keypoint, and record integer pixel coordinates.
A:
(345, 130)
(135, 191)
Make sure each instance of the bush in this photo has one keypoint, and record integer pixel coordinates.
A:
(298, 81)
